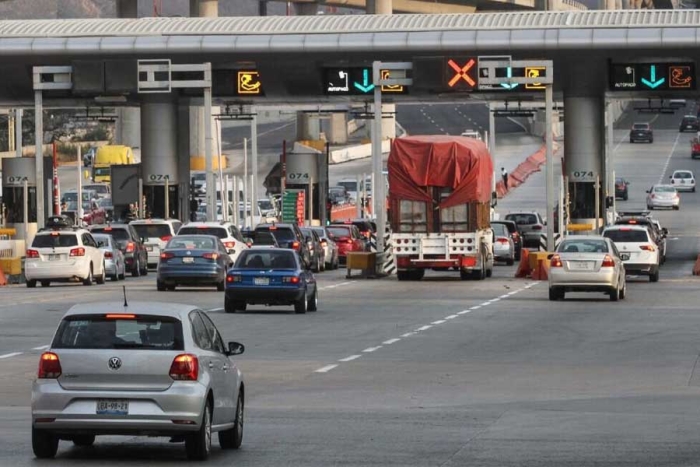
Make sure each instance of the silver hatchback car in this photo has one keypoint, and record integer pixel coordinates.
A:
(146, 369)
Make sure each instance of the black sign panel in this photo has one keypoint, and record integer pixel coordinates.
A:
(125, 184)
(652, 76)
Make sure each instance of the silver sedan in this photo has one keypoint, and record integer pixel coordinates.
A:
(115, 264)
(663, 196)
(147, 369)
(587, 264)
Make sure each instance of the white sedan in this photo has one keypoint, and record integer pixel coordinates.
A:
(663, 196)
(683, 180)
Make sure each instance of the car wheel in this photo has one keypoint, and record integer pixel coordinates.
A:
(198, 445)
(554, 294)
(44, 444)
(88, 279)
(510, 261)
(45, 283)
(615, 294)
(650, 208)
(676, 208)
(623, 291)
(654, 277)
(170, 287)
(122, 276)
(465, 275)
(115, 277)
(136, 272)
(233, 438)
(144, 270)
(31, 284)
(101, 279)
(692, 190)
(631, 141)
(312, 303)
(625, 197)
(84, 440)
(300, 305)
(160, 286)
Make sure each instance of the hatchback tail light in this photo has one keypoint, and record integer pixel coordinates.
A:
(166, 256)
(185, 367)
(49, 366)
(324, 243)
(502, 240)
(234, 278)
(32, 254)
(130, 247)
(296, 246)
(80, 251)
(290, 280)
(211, 256)
(165, 238)
(108, 254)
(555, 262)
(536, 227)
(230, 245)
(648, 247)
(608, 262)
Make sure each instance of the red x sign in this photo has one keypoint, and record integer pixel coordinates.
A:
(461, 73)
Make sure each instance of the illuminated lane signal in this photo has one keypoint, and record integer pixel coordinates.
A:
(249, 83)
(535, 72)
(680, 77)
(385, 74)
(461, 74)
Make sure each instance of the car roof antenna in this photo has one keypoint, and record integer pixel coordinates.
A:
(125, 302)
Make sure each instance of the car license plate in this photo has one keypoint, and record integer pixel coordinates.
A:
(688, 127)
(112, 407)
(188, 260)
(261, 281)
(54, 257)
(581, 265)
(149, 248)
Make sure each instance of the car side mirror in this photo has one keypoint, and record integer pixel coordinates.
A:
(671, 176)
(235, 348)
(648, 191)
(143, 240)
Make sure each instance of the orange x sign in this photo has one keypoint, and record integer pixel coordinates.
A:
(461, 73)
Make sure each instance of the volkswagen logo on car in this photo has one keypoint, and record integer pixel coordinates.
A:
(115, 363)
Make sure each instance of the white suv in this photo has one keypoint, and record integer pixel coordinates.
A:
(228, 233)
(155, 234)
(683, 180)
(64, 254)
(638, 251)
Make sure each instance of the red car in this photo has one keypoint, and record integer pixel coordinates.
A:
(348, 239)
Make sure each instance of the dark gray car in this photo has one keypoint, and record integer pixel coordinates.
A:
(530, 225)
(316, 252)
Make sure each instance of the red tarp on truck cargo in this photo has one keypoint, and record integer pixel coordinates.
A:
(458, 162)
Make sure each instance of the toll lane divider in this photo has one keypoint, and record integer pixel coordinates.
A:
(696, 267)
(523, 171)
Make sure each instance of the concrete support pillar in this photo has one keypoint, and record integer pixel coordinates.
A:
(584, 156)
(197, 133)
(306, 9)
(308, 126)
(127, 128)
(204, 8)
(127, 8)
(379, 7)
(183, 157)
(337, 129)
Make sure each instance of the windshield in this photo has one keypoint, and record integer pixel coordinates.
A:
(102, 238)
(100, 332)
(100, 189)
(522, 219)
(152, 230)
(264, 238)
(583, 246)
(117, 234)
(191, 242)
(320, 232)
(215, 231)
(622, 236)
(683, 175)
(102, 170)
(105, 203)
(664, 189)
(339, 231)
(641, 126)
(281, 234)
(265, 205)
(349, 186)
(500, 230)
(55, 241)
(278, 259)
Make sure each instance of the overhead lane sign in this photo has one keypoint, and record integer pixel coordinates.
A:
(356, 81)
(652, 76)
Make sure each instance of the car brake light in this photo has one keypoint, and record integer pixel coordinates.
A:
(653, 196)
(502, 240)
(648, 247)
(608, 262)
(166, 255)
(49, 366)
(165, 238)
(324, 243)
(77, 251)
(120, 316)
(32, 254)
(555, 262)
(108, 229)
(130, 247)
(296, 246)
(234, 279)
(230, 244)
(349, 241)
(211, 256)
(108, 254)
(536, 227)
(290, 279)
(185, 367)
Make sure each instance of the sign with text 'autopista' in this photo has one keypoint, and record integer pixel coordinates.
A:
(666, 76)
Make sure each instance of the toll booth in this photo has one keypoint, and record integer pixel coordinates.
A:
(307, 169)
(18, 178)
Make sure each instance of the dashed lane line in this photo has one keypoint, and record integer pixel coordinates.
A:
(327, 368)
(9, 355)
(41, 347)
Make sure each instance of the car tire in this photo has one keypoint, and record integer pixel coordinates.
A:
(45, 283)
(160, 286)
(614, 294)
(465, 275)
(625, 197)
(198, 445)
(136, 272)
(650, 208)
(122, 276)
(300, 305)
(510, 261)
(84, 441)
(631, 141)
(693, 190)
(417, 274)
(654, 276)
(44, 444)
(676, 208)
(114, 278)
(233, 438)
(651, 141)
(144, 271)
(555, 294)
(623, 291)
(31, 284)
(102, 278)
(400, 275)
(171, 288)
(88, 279)
(312, 303)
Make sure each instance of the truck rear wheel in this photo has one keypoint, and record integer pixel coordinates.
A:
(403, 275)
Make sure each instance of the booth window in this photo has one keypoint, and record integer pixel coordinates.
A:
(582, 196)
(13, 199)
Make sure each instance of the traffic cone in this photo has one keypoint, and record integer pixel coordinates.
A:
(524, 266)
(3, 278)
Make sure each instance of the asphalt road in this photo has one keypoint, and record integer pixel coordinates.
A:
(433, 373)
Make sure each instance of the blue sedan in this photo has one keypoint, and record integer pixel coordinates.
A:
(193, 260)
(270, 276)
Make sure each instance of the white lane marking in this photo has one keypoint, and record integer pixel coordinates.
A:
(495, 300)
(8, 355)
(350, 358)
(408, 334)
(326, 369)
(440, 321)
(450, 317)
(424, 328)
(668, 159)
(464, 312)
(505, 295)
(215, 309)
(475, 307)
(486, 303)
(391, 341)
(41, 347)
(372, 349)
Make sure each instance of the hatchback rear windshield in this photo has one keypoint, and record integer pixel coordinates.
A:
(282, 234)
(104, 332)
(687, 120)
(55, 241)
(635, 236)
(152, 230)
(583, 246)
(252, 259)
(682, 175)
(641, 126)
(500, 230)
(191, 242)
(339, 231)
(511, 227)
(117, 234)
(664, 189)
(215, 231)
(101, 189)
(264, 238)
(522, 219)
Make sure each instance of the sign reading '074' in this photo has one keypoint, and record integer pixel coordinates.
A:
(652, 76)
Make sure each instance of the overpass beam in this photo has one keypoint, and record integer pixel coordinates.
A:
(127, 8)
